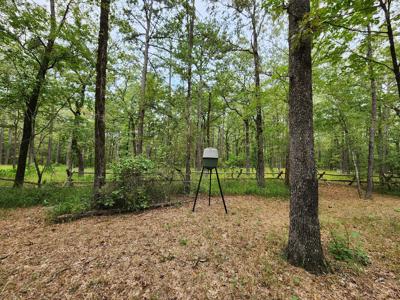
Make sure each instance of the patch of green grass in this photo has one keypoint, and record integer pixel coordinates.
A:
(183, 242)
(347, 247)
(47, 195)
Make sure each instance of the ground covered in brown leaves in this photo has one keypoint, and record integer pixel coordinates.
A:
(172, 253)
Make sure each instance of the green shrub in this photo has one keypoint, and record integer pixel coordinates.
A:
(347, 247)
(131, 188)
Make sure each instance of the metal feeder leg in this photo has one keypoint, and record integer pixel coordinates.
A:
(220, 189)
(209, 190)
(198, 188)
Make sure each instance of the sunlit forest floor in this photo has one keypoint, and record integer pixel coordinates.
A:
(172, 253)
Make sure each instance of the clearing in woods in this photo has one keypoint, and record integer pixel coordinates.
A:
(172, 253)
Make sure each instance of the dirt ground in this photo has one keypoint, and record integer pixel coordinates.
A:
(172, 253)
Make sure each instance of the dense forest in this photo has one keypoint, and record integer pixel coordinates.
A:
(128, 94)
(182, 76)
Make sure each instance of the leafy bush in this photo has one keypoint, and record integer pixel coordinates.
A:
(129, 189)
(347, 247)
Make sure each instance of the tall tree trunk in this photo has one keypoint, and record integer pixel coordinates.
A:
(371, 144)
(190, 10)
(143, 84)
(32, 101)
(100, 101)
(247, 143)
(58, 151)
(79, 156)
(68, 155)
(14, 146)
(49, 157)
(9, 147)
(259, 120)
(304, 246)
(345, 155)
(1, 144)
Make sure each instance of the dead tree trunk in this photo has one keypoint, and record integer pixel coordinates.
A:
(100, 99)
(247, 143)
(304, 246)
(371, 144)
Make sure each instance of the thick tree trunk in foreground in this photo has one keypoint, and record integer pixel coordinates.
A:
(371, 145)
(304, 246)
(100, 101)
(189, 138)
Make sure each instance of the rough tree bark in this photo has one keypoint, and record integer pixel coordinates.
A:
(100, 101)
(304, 246)
(190, 10)
(32, 101)
(371, 144)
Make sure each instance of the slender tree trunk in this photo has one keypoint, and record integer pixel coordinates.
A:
(259, 120)
(371, 144)
(247, 143)
(32, 101)
(143, 84)
(304, 246)
(190, 26)
(9, 147)
(14, 147)
(100, 97)
(49, 157)
(68, 156)
(1, 144)
(357, 173)
(58, 152)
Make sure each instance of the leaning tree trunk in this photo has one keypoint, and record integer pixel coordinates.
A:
(189, 137)
(371, 144)
(304, 246)
(396, 68)
(32, 101)
(100, 101)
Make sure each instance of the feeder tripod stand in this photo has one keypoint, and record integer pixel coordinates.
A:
(209, 189)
